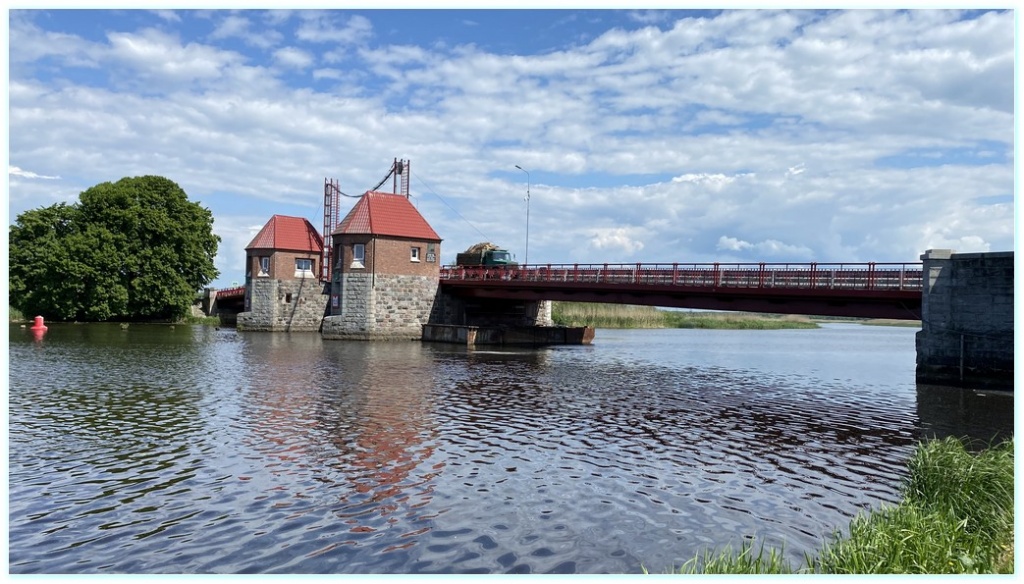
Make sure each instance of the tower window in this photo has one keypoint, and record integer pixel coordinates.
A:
(303, 268)
(358, 255)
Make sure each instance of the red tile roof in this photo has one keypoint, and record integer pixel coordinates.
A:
(386, 214)
(288, 233)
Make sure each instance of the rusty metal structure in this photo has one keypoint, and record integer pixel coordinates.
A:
(400, 170)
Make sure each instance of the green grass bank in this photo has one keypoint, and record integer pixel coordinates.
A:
(955, 517)
(15, 315)
(628, 316)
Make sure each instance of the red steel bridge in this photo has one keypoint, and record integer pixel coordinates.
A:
(866, 290)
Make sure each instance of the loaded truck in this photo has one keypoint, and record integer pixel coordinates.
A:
(485, 254)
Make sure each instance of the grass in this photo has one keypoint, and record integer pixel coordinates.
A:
(623, 316)
(956, 517)
(15, 315)
(892, 322)
(205, 320)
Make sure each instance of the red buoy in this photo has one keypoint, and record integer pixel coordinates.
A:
(39, 326)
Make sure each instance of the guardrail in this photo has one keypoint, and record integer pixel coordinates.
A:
(841, 276)
(231, 292)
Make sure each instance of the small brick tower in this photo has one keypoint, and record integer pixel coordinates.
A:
(386, 271)
(282, 288)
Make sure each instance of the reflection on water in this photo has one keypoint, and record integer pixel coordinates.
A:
(194, 450)
(984, 417)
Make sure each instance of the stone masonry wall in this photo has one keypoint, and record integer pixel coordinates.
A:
(540, 313)
(966, 335)
(381, 307)
(350, 319)
(284, 306)
(404, 304)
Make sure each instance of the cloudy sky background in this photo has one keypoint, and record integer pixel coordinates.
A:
(653, 136)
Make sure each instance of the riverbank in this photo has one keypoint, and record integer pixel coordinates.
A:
(620, 316)
(15, 316)
(956, 517)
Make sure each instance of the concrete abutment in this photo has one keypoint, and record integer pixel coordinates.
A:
(966, 335)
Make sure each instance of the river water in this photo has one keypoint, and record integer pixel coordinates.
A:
(195, 450)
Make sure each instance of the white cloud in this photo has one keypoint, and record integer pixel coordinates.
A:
(616, 239)
(168, 15)
(293, 58)
(714, 182)
(834, 136)
(232, 26)
(322, 27)
(158, 56)
(769, 248)
(15, 171)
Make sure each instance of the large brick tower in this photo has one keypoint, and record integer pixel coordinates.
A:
(385, 274)
(282, 288)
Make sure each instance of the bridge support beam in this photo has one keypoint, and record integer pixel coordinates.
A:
(966, 336)
(209, 301)
(450, 309)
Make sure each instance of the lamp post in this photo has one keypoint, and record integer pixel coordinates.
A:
(526, 258)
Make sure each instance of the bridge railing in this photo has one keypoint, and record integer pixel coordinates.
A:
(843, 276)
(237, 291)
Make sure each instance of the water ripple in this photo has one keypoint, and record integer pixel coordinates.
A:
(198, 451)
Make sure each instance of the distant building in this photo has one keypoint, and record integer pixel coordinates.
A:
(386, 271)
(282, 288)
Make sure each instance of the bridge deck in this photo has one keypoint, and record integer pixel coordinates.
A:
(236, 292)
(872, 290)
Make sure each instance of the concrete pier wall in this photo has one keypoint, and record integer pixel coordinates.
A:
(490, 312)
(519, 335)
(966, 335)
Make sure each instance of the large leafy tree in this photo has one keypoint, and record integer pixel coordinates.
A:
(135, 249)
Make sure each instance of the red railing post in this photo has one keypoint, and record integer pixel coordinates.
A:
(675, 273)
(717, 276)
(814, 269)
(871, 275)
(760, 275)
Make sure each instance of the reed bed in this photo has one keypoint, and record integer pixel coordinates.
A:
(956, 517)
(622, 316)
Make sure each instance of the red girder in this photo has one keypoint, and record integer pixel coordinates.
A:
(236, 292)
(879, 290)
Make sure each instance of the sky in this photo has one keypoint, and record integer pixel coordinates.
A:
(665, 135)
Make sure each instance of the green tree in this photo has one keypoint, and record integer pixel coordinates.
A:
(136, 249)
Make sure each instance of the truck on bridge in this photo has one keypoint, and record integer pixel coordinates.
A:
(485, 254)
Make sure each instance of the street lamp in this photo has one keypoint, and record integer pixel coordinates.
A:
(526, 258)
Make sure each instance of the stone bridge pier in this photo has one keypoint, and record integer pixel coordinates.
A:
(966, 336)
(486, 312)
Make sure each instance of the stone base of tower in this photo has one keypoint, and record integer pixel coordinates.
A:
(284, 306)
(380, 307)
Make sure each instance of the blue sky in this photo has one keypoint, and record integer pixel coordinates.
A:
(649, 136)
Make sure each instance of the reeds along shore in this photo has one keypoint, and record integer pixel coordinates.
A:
(956, 517)
(628, 316)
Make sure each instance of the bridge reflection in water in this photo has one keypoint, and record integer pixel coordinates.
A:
(867, 290)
